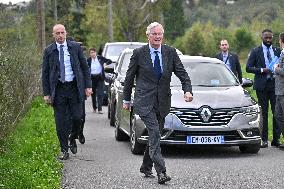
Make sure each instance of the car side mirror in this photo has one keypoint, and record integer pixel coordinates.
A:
(109, 69)
(247, 82)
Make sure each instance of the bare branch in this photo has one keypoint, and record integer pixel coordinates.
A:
(141, 23)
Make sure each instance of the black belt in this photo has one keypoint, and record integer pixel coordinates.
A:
(67, 82)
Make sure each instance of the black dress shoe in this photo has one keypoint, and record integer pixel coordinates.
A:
(264, 144)
(73, 146)
(64, 156)
(275, 143)
(81, 139)
(147, 174)
(163, 178)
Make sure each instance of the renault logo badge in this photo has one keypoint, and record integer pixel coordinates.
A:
(205, 114)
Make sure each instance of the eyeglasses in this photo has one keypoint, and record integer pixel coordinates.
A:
(157, 34)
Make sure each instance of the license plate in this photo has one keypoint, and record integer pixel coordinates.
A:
(205, 139)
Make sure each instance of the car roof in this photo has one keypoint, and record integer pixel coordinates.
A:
(125, 43)
(201, 59)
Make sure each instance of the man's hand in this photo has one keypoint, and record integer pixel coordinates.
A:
(88, 91)
(126, 106)
(188, 97)
(47, 100)
(266, 70)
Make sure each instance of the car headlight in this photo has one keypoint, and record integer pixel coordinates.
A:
(250, 110)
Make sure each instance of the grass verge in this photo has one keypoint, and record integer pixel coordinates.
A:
(30, 154)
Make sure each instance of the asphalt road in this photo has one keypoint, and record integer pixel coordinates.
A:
(102, 162)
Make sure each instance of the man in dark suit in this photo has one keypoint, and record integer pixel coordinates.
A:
(65, 82)
(96, 64)
(152, 66)
(230, 59)
(264, 83)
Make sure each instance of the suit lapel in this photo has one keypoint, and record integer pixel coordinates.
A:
(148, 60)
(164, 60)
(262, 60)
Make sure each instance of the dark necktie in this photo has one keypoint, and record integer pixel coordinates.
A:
(62, 66)
(157, 66)
(269, 55)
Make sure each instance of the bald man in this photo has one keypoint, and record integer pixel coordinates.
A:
(66, 82)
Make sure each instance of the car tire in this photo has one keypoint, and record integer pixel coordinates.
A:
(112, 115)
(119, 134)
(135, 146)
(250, 148)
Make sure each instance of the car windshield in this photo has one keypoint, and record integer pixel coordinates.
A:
(125, 63)
(207, 74)
(115, 50)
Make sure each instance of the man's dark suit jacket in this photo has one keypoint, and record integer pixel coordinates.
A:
(255, 62)
(51, 66)
(148, 88)
(101, 60)
(235, 64)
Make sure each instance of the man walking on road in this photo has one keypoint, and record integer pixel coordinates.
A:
(96, 64)
(258, 63)
(152, 66)
(65, 82)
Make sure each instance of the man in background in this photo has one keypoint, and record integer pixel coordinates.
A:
(258, 63)
(230, 59)
(96, 64)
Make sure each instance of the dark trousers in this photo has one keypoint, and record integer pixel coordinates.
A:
(69, 120)
(264, 97)
(279, 112)
(66, 99)
(152, 154)
(98, 90)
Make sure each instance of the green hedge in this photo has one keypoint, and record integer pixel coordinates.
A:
(19, 81)
(30, 157)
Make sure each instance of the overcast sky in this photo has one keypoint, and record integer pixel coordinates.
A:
(12, 1)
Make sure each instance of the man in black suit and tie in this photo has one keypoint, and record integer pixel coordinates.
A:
(230, 59)
(151, 66)
(96, 64)
(264, 83)
(66, 82)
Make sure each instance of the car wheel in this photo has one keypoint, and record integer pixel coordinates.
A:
(119, 134)
(250, 148)
(136, 147)
(112, 115)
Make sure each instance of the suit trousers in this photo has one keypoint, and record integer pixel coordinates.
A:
(67, 100)
(98, 90)
(268, 94)
(69, 120)
(152, 154)
(279, 112)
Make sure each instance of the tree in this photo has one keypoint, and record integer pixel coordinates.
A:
(174, 20)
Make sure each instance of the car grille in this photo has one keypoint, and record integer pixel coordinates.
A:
(193, 117)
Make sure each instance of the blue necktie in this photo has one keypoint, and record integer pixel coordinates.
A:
(157, 66)
(62, 66)
(269, 55)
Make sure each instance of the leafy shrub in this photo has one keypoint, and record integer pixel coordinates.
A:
(30, 157)
(19, 81)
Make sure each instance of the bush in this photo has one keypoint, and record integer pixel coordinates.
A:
(19, 81)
